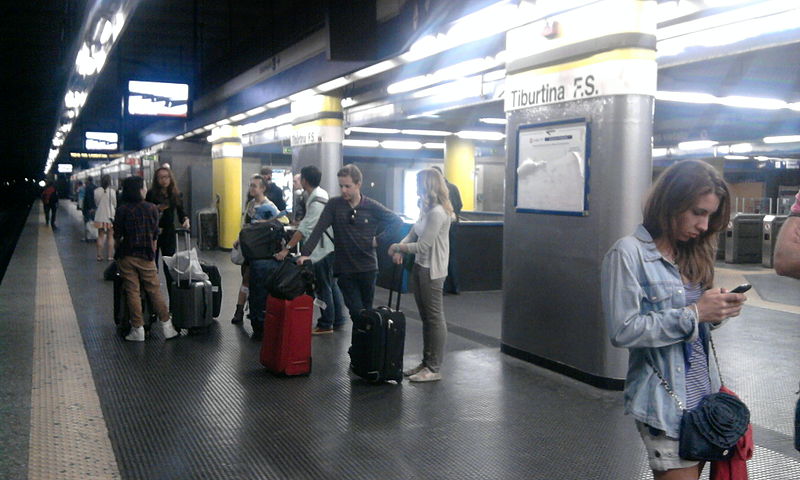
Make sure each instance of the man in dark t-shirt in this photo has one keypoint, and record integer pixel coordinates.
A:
(359, 223)
(274, 192)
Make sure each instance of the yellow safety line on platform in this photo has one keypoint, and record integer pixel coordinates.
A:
(68, 435)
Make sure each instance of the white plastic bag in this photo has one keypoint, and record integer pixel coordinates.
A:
(91, 231)
(185, 265)
(236, 256)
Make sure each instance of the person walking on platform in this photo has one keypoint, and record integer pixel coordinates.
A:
(659, 302)
(50, 203)
(429, 242)
(105, 198)
(79, 189)
(88, 206)
(259, 208)
(274, 192)
(136, 230)
(322, 257)
(451, 282)
(358, 224)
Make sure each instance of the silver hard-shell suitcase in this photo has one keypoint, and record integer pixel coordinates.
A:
(191, 301)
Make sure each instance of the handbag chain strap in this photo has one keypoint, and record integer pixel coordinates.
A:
(666, 385)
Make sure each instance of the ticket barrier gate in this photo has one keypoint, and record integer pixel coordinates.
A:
(743, 238)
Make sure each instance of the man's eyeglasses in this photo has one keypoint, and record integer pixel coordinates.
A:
(353, 216)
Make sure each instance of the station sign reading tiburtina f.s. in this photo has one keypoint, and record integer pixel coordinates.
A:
(619, 72)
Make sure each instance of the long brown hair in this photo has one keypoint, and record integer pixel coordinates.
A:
(172, 193)
(433, 191)
(677, 190)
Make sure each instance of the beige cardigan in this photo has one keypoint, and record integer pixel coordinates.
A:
(434, 241)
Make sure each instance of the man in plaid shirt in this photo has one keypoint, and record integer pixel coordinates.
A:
(136, 230)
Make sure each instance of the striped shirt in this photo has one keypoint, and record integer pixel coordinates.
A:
(698, 383)
(353, 231)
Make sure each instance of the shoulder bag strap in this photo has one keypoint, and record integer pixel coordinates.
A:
(664, 383)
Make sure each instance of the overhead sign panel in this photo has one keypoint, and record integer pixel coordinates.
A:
(102, 141)
(158, 98)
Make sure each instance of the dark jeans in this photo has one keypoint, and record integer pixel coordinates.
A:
(260, 270)
(451, 282)
(333, 316)
(50, 214)
(358, 290)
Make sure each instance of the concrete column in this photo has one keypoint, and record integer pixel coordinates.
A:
(226, 167)
(317, 137)
(459, 168)
(584, 78)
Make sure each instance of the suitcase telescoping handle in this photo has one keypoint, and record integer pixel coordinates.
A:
(398, 273)
(187, 245)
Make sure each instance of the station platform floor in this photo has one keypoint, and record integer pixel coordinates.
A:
(78, 402)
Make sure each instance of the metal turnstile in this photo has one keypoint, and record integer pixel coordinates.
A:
(743, 238)
(771, 227)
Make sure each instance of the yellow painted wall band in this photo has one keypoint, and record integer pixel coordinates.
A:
(227, 183)
(620, 54)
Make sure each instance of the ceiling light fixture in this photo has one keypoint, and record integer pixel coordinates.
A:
(278, 103)
(401, 145)
(697, 144)
(493, 121)
(374, 130)
(426, 133)
(480, 135)
(782, 139)
(350, 142)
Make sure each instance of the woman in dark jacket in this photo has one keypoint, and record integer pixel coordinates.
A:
(165, 195)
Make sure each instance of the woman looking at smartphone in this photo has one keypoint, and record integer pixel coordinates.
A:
(659, 303)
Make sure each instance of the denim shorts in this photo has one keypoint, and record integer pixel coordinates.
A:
(662, 451)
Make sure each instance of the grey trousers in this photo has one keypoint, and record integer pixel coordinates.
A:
(428, 295)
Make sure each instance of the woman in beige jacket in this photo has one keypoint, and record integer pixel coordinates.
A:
(428, 240)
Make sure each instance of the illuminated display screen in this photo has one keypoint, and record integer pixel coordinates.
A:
(158, 98)
(101, 141)
(64, 168)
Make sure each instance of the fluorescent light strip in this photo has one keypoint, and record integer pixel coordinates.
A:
(427, 133)
(256, 111)
(757, 103)
(697, 144)
(333, 84)
(278, 103)
(401, 145)
(736, 157)
(480, 135)
(239, 117)
(493, 121)
(433, 146)
(782, 139)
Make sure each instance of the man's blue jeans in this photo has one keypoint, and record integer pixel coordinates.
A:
(358, 290)
(333, 316)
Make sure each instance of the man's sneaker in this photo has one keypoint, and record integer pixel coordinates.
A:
(238, 316)
(169, 329)
(321, 331)
(425, 375)
(136, 335)
(415, 370)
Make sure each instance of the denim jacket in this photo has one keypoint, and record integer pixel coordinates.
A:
(645, 310)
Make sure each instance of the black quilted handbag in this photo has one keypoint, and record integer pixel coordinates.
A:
(711, 430)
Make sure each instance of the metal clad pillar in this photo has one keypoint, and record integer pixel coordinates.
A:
(226, 167)
(579, 103)
(317, 137)
(459, 168)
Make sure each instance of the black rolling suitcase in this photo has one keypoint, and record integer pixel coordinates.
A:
(379, 335)
(122, 317)
(216, 286)
(191, 300)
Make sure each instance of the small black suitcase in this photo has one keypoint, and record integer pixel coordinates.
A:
(207, 229)
(191, 300)
(216, 286)
(122, 316)
(378, 342)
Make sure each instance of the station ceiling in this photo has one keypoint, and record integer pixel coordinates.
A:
(206, 43)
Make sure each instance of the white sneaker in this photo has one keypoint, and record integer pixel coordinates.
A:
(425, 375)
(169, 329)
(136, 335)
(413, 371)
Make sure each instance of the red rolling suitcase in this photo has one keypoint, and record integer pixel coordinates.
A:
(286, 348)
